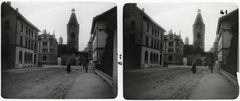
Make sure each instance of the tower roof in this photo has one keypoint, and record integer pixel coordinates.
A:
(199, 20)
(73, 18)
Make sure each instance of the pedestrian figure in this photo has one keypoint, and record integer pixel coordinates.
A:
(85, 66)
(194, 67)
(211, 67)
(68, 67)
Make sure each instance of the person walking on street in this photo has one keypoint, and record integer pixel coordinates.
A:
(69, 67)
(85, 66)
(211, 67)
(194, 68)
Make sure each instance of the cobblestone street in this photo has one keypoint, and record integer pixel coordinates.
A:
(53, 83)
(171, 83)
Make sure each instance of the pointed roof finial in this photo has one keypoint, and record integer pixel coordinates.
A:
(199, 10)
(73, 10)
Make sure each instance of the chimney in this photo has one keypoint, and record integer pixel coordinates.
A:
(9, 3)
(17, 9)
(143, 9)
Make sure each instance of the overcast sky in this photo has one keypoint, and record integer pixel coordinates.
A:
(55, 16)
(181, 16)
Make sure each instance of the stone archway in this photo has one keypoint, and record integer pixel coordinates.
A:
(198, 62)
(73, 62)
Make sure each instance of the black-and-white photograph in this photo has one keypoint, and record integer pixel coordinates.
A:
(180, 50)
(58, 50)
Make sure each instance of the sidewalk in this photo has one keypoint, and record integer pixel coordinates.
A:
(214, 86)
(89, 85)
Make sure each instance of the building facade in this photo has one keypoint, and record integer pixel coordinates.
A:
(142, 39)
(173, 49)
(19, 39)
(47, 48)
(104, 46)
(227, 34)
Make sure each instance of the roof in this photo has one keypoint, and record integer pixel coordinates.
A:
(229, 16)
(198, 50)
(90, 39)
(20, 16)
(187, 49)
(62, 48)
(147, 17)
(73, 19)
(199, 20)
(105, 16)
(72, 50)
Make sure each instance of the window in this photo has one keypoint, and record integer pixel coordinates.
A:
(44, 43)
(132, 25)
(29, 32)
(44, 50)
(21, 27)
(170, 50)
(146, 40)
(199, 36)
(25, 57)
(152, 43)
(26, 42)
(152, 30)
(26, 30)
(35, 35)
(170, 44)
(7, 25)
(147, 27)
(72, 35)
(176, 50)
(44, 58)
(170, 58)
(20, 56)
(146, 57)
(21, 39)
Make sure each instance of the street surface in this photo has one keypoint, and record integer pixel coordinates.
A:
(176, 82)
(53, 83)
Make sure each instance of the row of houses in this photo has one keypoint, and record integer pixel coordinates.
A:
(145, 43)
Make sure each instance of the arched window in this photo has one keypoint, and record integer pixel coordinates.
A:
(20, 56)
(146, 57)
(199, 36)
(151, 57)
(44, 58)
(29, 57)
(25, 57)
(73, 35)
(34, 59)
(154, 57)
(170, 58)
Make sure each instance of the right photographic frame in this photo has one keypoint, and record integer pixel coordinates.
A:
(180, 50)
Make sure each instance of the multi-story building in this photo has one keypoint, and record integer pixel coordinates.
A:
(19, 39)
(142, 39)
(48, 47)
(227, 39)
(104, 46)
(173, 49)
